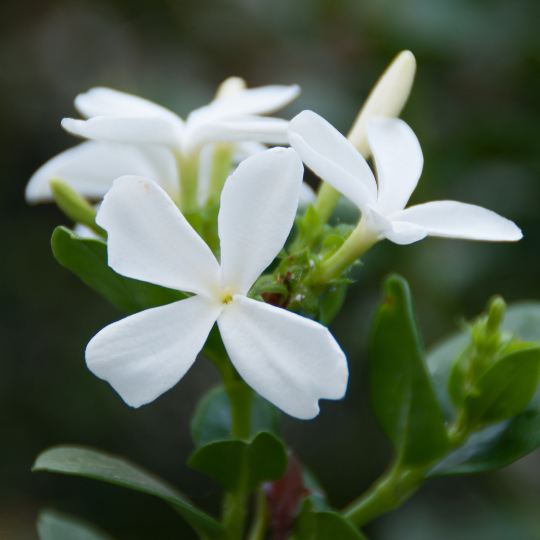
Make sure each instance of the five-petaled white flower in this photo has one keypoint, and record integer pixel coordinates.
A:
(398, 160)
(135, 136)
(288, 359)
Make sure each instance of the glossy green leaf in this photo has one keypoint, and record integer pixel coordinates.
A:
(212, 420)
(87, 257)
(92, 463)
(230, 462)
(506, 388)
(54, 525)
(326, 525)
(498, 444)
(402, 392)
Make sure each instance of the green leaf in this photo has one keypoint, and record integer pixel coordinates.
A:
(326, 525)
(212, 420)
(506, 388)
(92, 463)
(230, 462)
(87, 257)
(499, 444)
(402, 392)
(54, 525)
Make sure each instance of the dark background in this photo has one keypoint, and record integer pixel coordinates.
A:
(476, 110)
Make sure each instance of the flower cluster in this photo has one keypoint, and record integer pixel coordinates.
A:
(174, 216)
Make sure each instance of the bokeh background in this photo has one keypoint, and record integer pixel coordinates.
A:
(476, 110)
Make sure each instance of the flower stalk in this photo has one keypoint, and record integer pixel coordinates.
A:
(358, 242)
(188, 168)
(222, 161)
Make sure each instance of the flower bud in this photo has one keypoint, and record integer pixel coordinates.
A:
(74, 206)
(496, 376)
(230, 86)
(387, 98)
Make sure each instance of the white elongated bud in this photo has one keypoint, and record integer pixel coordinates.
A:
(230, 86)
(387, 98)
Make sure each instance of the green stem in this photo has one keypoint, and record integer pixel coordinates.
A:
(188, 168)
(241, 397)
(260, 521)
(389, 492)
(221, 167)
(327, 198)
(358, 242)
(399, 483)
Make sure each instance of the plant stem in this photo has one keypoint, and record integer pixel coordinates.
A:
(389, 492)
(241, 397)
(327, 198)
(221, 166)
(258, 527)
(399, 483)
(188, 169)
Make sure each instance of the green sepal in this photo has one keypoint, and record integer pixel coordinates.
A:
(308, 228)
(330, 245)
(54, 525)
(93, 463)
(402, 392)
(212, 420)
(74, 206)
(235, 462)
(268, 284)
(325, 525)
(505, 389)
(498, 444)
(331, 303)
(87, 257)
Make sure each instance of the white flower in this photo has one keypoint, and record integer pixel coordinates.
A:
(147, 128)
(118, 117)
(290, 360)
(398, 161)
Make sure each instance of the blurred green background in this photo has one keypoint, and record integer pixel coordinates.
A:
(476, 110)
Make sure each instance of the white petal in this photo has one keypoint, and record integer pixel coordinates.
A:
(246, 128)
(146, 354)
(91, 167)
(399, 161)
(150, 240)
(378, 227)
(404, 233)
(453, 219)
(332, 157)
(263, 100)
(387, 98)
(258, 206)
(127, 129)
(101, 101)
(289, 360)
